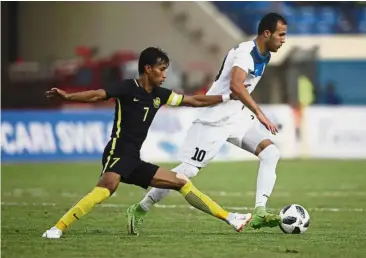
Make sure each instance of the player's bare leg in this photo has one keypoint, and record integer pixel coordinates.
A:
(269, 156)
(106, 186)
(170, 180)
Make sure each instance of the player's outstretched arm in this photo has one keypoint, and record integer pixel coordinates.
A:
(205, 100)
(82, 96)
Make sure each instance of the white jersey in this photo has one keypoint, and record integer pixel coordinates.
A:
(247, 57)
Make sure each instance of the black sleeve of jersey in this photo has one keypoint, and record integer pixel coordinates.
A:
(164, 95)
(117, 90)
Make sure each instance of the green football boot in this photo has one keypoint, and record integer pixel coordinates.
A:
(262, 218)
(135, 216)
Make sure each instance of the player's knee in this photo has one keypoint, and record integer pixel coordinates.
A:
(271, 153)
(108, 185)
(111, 188)
(182, 178)
(276, 153)
(109, 181)
(186, 169)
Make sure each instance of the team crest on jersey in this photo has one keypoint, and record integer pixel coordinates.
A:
(156, 102)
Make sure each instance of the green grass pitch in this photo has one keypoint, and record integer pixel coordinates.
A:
(35, 196)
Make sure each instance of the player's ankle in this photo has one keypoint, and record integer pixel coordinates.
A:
(142, 208)
(259, 209)
(60, 225)
(230, 217)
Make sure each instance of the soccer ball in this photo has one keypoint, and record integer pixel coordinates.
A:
(294, 219)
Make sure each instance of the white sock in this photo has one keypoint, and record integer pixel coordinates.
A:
(155, 195)
(266, 174)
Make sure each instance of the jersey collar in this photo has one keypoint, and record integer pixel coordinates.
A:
(258, 55)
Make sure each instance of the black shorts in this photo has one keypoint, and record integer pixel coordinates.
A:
(131, 168)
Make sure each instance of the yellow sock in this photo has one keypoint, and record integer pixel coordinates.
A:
(84, 206)
(202, 201)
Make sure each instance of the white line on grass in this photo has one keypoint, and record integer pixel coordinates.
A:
(39, 192)
(181, 206)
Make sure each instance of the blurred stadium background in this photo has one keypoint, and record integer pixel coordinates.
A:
(79, 46)
(314, 88)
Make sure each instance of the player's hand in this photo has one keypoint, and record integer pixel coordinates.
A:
(268, 124)
(56, 93)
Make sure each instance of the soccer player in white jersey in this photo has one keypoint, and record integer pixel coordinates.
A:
(234, 121)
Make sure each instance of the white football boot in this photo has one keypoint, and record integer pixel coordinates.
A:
(238, 221)
(52, 233)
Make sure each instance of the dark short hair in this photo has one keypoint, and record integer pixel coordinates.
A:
(269, 22)
(152, 56)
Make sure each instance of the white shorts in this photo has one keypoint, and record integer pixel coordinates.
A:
(204, 141)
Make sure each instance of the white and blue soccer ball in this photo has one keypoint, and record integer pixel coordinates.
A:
(295, 219)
